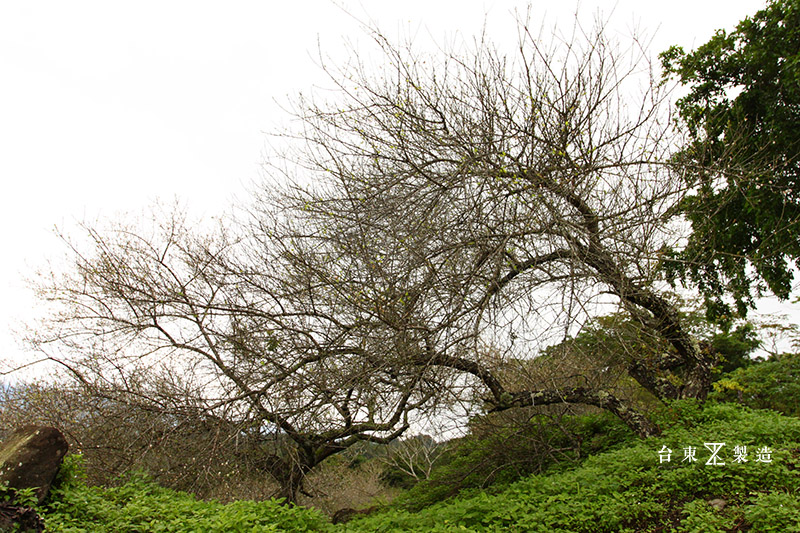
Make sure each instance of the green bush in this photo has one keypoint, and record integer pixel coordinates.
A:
(140, 505)
(772, 384)
(510, 450)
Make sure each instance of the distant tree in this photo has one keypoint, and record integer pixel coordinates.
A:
(415, 457)
(772, 384)
(735, 347)
(742, 157)
(609, 350)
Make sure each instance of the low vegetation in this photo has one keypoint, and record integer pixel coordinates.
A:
(622, 486)
(629, 489)
(141, 505)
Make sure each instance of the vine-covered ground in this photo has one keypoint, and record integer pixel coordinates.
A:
(631, 488)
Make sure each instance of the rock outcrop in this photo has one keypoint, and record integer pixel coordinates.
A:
(30, 458)
(343, 516)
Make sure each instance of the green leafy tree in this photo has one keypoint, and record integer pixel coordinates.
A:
(742, 114)
(733, 348)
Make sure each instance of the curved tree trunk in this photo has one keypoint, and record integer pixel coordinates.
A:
(636, 421)
(502, 399)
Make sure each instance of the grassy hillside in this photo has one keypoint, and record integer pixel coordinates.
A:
(626, 489)
(140, 505)
(630, 490)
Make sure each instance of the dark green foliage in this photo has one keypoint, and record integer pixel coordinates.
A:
(733, 348)
(140, 505)
(628, 490)
(504, 451)
(773, 384)
(397, 478)
(743, 118)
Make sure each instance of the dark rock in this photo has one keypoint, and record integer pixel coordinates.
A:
(30, 458)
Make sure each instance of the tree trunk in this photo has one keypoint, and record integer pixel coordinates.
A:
(636, 421)
(289, 473)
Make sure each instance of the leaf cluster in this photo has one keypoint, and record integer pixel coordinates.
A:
(772, 384)
(742, 157)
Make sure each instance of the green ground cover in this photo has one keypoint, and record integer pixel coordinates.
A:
(625, 489)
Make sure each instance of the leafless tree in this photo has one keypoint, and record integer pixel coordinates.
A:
(210, 457)
(435, 205)
(474, 198)
(218, 327)
(416, 456)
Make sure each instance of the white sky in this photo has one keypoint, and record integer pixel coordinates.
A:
(106, 106)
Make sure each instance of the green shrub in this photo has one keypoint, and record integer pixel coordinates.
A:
(139, 505)
(509, 451)
(772, 384)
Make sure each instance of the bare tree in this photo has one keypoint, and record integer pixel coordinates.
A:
(416, 456)
(218, 327)
(434, 207)
(208, 456)
(476, 198)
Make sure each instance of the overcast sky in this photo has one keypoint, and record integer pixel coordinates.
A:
(108, 106)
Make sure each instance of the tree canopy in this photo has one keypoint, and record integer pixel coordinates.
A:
(215, 327)
(742, 157)
(459, 200)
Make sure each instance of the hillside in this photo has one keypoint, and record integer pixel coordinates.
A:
(625, 489)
